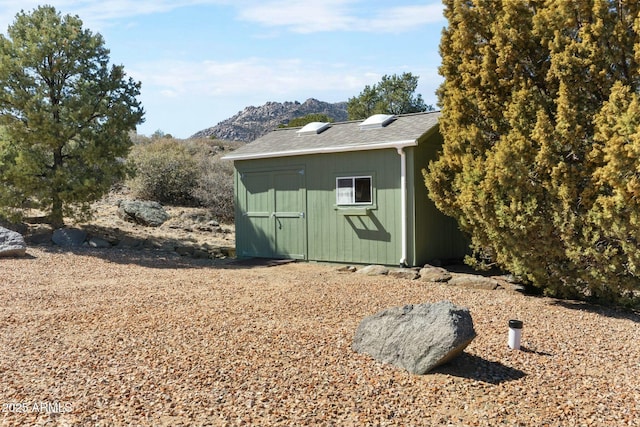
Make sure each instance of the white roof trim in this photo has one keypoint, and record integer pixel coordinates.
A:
(325, 150)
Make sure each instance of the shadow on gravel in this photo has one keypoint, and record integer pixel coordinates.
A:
(145, 258)
(479, 369)
(613, 312)
(258, 262)
(156, 258)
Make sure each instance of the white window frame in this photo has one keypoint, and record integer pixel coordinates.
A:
(346, 196)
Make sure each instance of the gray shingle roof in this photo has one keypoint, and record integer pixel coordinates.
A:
(404, 131)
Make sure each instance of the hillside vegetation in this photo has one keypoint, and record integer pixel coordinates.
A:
(183, 173)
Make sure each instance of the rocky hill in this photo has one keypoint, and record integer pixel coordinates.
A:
(253, 122)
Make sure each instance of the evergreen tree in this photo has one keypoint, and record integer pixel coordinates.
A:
(541, 155)
(309, 118)
(392, 95)
(66, 115)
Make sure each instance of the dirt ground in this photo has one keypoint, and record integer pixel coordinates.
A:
(119, 337)
(111, 337)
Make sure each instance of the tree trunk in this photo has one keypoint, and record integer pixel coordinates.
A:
(56, 219)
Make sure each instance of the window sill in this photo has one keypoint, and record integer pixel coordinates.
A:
(353, 210)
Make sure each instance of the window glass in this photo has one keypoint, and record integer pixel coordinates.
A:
(362, 190)
(345, 191)
(353, 190)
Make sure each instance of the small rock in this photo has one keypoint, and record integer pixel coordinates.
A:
(12, 244)
(416, 337)
(128, 242)
(434, 274)
(200, 253)
(97, 242)
(374, 270)
(69, 237)
(403, 273)
(474, 281)
(184, 251)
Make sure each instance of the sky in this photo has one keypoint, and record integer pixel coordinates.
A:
(202, 61)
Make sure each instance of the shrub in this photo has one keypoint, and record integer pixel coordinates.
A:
(188, 173)
(165, 171)
(215, 188)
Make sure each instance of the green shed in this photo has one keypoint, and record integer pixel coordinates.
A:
(349, 192)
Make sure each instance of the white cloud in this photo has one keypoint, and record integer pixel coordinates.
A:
(340, 15)
(299, 16)
(252, 76)
(98, 13)
(399, 19)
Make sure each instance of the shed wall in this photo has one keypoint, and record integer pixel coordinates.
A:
(324, 231)
(363, 234)
(436, 236)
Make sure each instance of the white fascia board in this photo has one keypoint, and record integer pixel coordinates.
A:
(325, 150)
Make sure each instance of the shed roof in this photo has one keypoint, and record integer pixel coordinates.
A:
(404, 131)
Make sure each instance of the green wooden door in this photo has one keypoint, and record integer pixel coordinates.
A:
(256, 233)
(274, 223)
(289, 214)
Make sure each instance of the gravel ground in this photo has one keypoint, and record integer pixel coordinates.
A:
(104, 337)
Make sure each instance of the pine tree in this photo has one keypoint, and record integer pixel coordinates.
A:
(532, 107)
(392, 95)
(65, 115)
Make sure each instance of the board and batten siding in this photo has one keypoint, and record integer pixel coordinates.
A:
(362, 234)
(432, 235)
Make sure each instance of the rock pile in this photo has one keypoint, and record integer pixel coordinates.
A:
(429, 273)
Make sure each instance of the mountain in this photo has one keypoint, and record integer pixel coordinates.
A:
(253, 122)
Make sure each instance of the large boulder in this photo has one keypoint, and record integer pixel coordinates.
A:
(151, 214)
(416, 337)
(11, 243)
(69, 237)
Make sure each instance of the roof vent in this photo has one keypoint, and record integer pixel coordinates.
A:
(377, 121)
(313, 128)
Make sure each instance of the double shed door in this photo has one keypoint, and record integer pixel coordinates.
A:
(274, 214)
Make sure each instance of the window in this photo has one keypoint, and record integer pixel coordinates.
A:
(353, 190)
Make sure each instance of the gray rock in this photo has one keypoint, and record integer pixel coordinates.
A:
(434, 274)
(69, 237)
(403, 273)
(373, 270)
(128, 242)
(98, 242)
(151, 214)
(253, 122)
(187, 251)
(416, 337)
(12, 244)
(474, 281)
